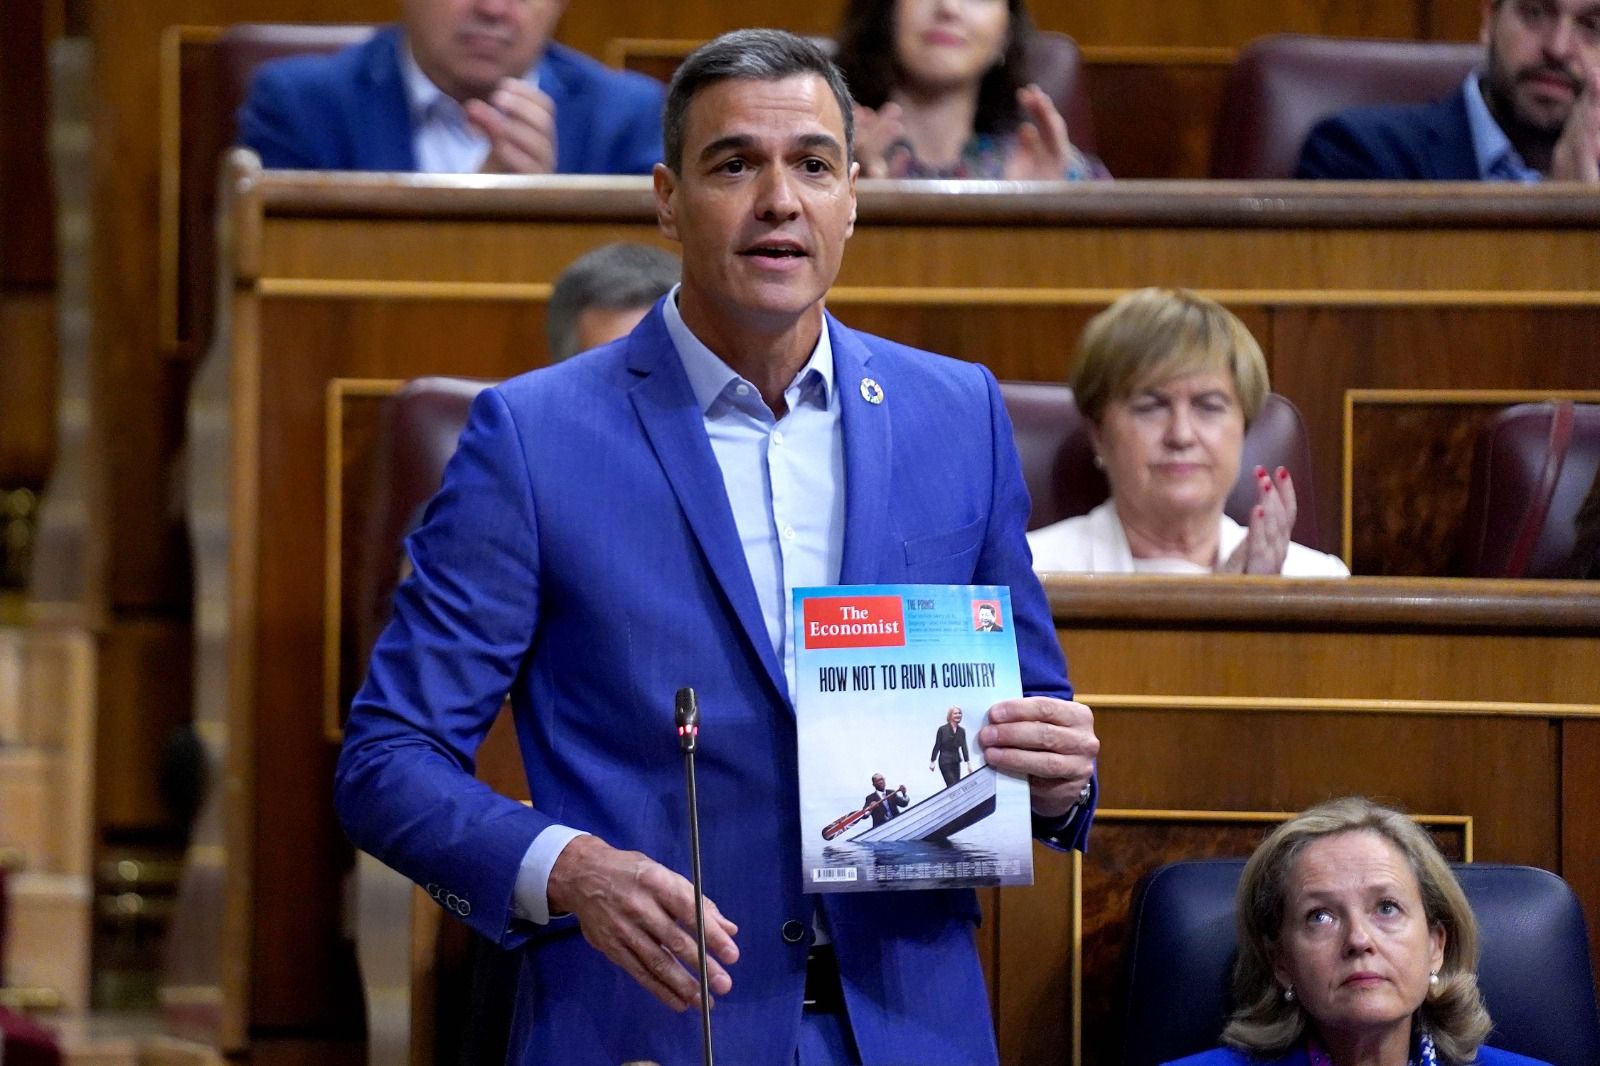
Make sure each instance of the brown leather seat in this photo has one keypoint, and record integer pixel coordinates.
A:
(416, 437)
(1058, 462)
(1281, 86)
(24, 1042)
(1533, 466)
(1056, 66)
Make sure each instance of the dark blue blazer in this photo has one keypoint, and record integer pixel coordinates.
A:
(582, 556)
(348, 111)
(1222, 1056)
(1393, 142)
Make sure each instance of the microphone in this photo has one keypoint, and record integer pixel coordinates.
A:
(687, 714)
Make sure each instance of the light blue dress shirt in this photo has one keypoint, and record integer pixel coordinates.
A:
(785, 483)
(441, 137)
(1497, 159)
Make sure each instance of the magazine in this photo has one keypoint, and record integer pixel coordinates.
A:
(893, 684)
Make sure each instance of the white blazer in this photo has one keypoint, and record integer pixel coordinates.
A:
(1095, 543)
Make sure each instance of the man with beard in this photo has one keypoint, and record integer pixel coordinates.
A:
(1532, 113)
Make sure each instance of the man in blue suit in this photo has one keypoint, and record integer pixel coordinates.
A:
(634, 520)
(1533, 112)
(462, 86)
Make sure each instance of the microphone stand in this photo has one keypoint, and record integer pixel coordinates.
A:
(687, 713)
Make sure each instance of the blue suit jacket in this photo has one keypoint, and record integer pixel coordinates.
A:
(1393, 142)
(348, 111)
(582, 556)
(1222, 1056)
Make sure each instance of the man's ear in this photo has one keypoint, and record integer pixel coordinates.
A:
(665, 183)
(855, 172)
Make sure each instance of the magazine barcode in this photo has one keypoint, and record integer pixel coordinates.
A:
(823, 873)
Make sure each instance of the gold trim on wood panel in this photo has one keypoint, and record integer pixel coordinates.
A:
(189, 995)
(333, 536)
(1329, 705)
(618, 49)
(237, 928)
(206, 856)
(1347, 536)
(373, 288)
(1396, 397)
(1075, 976)
(1308, 297)
(1381, 397)
(173, 39)
(28, 999)
(913, 295)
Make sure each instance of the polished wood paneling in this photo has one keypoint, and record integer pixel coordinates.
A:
(1409, 465)
(1580, 830)
(305, 342)
(1134, 22)
(1280, 695)
(1414, 466)
(27, 201)
(1150, 22)
(1320, 352)
(27, 245)
(27, 386)
(371, 278)
(145, 669)
(139, 392)
(1155, 109)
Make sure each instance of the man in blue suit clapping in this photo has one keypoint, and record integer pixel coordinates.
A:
(461, 86)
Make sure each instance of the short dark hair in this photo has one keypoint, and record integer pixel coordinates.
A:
(867, 58)
(612, 277)
(759, 55)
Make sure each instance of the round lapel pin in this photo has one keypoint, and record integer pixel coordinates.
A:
(871, 391)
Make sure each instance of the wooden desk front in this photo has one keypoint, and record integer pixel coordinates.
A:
(1220, 702)
(368, 277)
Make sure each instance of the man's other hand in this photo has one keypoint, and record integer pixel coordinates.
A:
(1051, 741)
(520, 122)
(640, 915)
(1577, 153)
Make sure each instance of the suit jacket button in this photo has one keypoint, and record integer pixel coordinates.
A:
(793, 932)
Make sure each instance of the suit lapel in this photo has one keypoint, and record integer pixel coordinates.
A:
(553, 74)
(866, 458)
(1452, 157)
(674, 425)
(383, 137)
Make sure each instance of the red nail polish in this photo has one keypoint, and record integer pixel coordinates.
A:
(1283, 473)
(1261, 512)
(1269, 486)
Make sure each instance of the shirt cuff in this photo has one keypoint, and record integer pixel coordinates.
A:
(1046, 828)
(530, 898)
(1053, 828)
